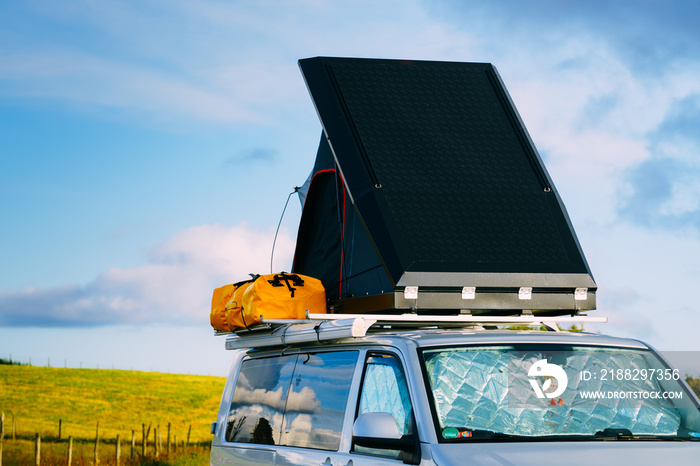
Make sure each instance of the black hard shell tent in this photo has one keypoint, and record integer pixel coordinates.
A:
(426, 177)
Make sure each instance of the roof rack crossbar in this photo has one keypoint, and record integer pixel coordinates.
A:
(465, 320)
(327, 327)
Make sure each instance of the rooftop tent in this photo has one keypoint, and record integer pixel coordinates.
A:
(426, 177)
(332, 243)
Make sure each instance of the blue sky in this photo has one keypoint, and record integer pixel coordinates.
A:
(148, 148)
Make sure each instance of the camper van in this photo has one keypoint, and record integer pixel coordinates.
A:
(451, 393)
(455, 295)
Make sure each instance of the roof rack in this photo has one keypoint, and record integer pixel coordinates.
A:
(327, 327)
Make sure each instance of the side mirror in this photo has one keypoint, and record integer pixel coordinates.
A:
(379, 430)
(376, 426)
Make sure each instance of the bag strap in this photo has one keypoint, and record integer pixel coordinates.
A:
(253, 277)
(295, 280)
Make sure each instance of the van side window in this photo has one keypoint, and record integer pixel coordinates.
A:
(258, 401)
(317, 400)
(384, 390)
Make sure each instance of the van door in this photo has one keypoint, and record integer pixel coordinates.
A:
(288, 410)
(254, 420)
(384, 390)
(315, 409)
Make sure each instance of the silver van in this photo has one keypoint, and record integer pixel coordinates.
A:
(365, 390)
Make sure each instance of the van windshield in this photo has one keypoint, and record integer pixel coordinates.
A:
(556, 392)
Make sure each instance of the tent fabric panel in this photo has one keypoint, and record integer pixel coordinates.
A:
(319, 240)
(442, 173)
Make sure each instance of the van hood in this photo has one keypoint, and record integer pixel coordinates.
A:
(604, 453)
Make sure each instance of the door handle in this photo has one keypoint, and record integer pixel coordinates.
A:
(328, 462)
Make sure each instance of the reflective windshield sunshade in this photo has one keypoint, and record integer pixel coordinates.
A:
(537, 390)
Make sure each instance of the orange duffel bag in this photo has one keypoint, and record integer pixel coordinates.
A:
(219, 299)
(223, 303)
(234, 308)
(283, 296)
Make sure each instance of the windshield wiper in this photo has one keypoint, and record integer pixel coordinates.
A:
(626, 434)
(615, 434)
(609, 434)
(477, 434)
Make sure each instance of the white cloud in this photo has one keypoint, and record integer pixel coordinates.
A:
(647, 282)
(174, 286)
(213, 62)
(596, 119)
(304, 401)
(81, 78)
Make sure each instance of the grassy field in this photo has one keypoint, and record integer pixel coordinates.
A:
(54, 453)
(34, 399)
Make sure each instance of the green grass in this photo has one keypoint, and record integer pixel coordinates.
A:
(694, 384)
(22, 452)
(36, 398)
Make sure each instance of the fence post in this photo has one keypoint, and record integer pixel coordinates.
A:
(189, 431)
(60, 421)
(97, 442)
(2, 430)
(70, 450)
(148, 435)
(118, 453)
(156, 440)
(37, 450)
(133, 443)
(168, 447)
(144, 439)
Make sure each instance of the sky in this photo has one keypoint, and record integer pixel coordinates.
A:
(147, 150)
